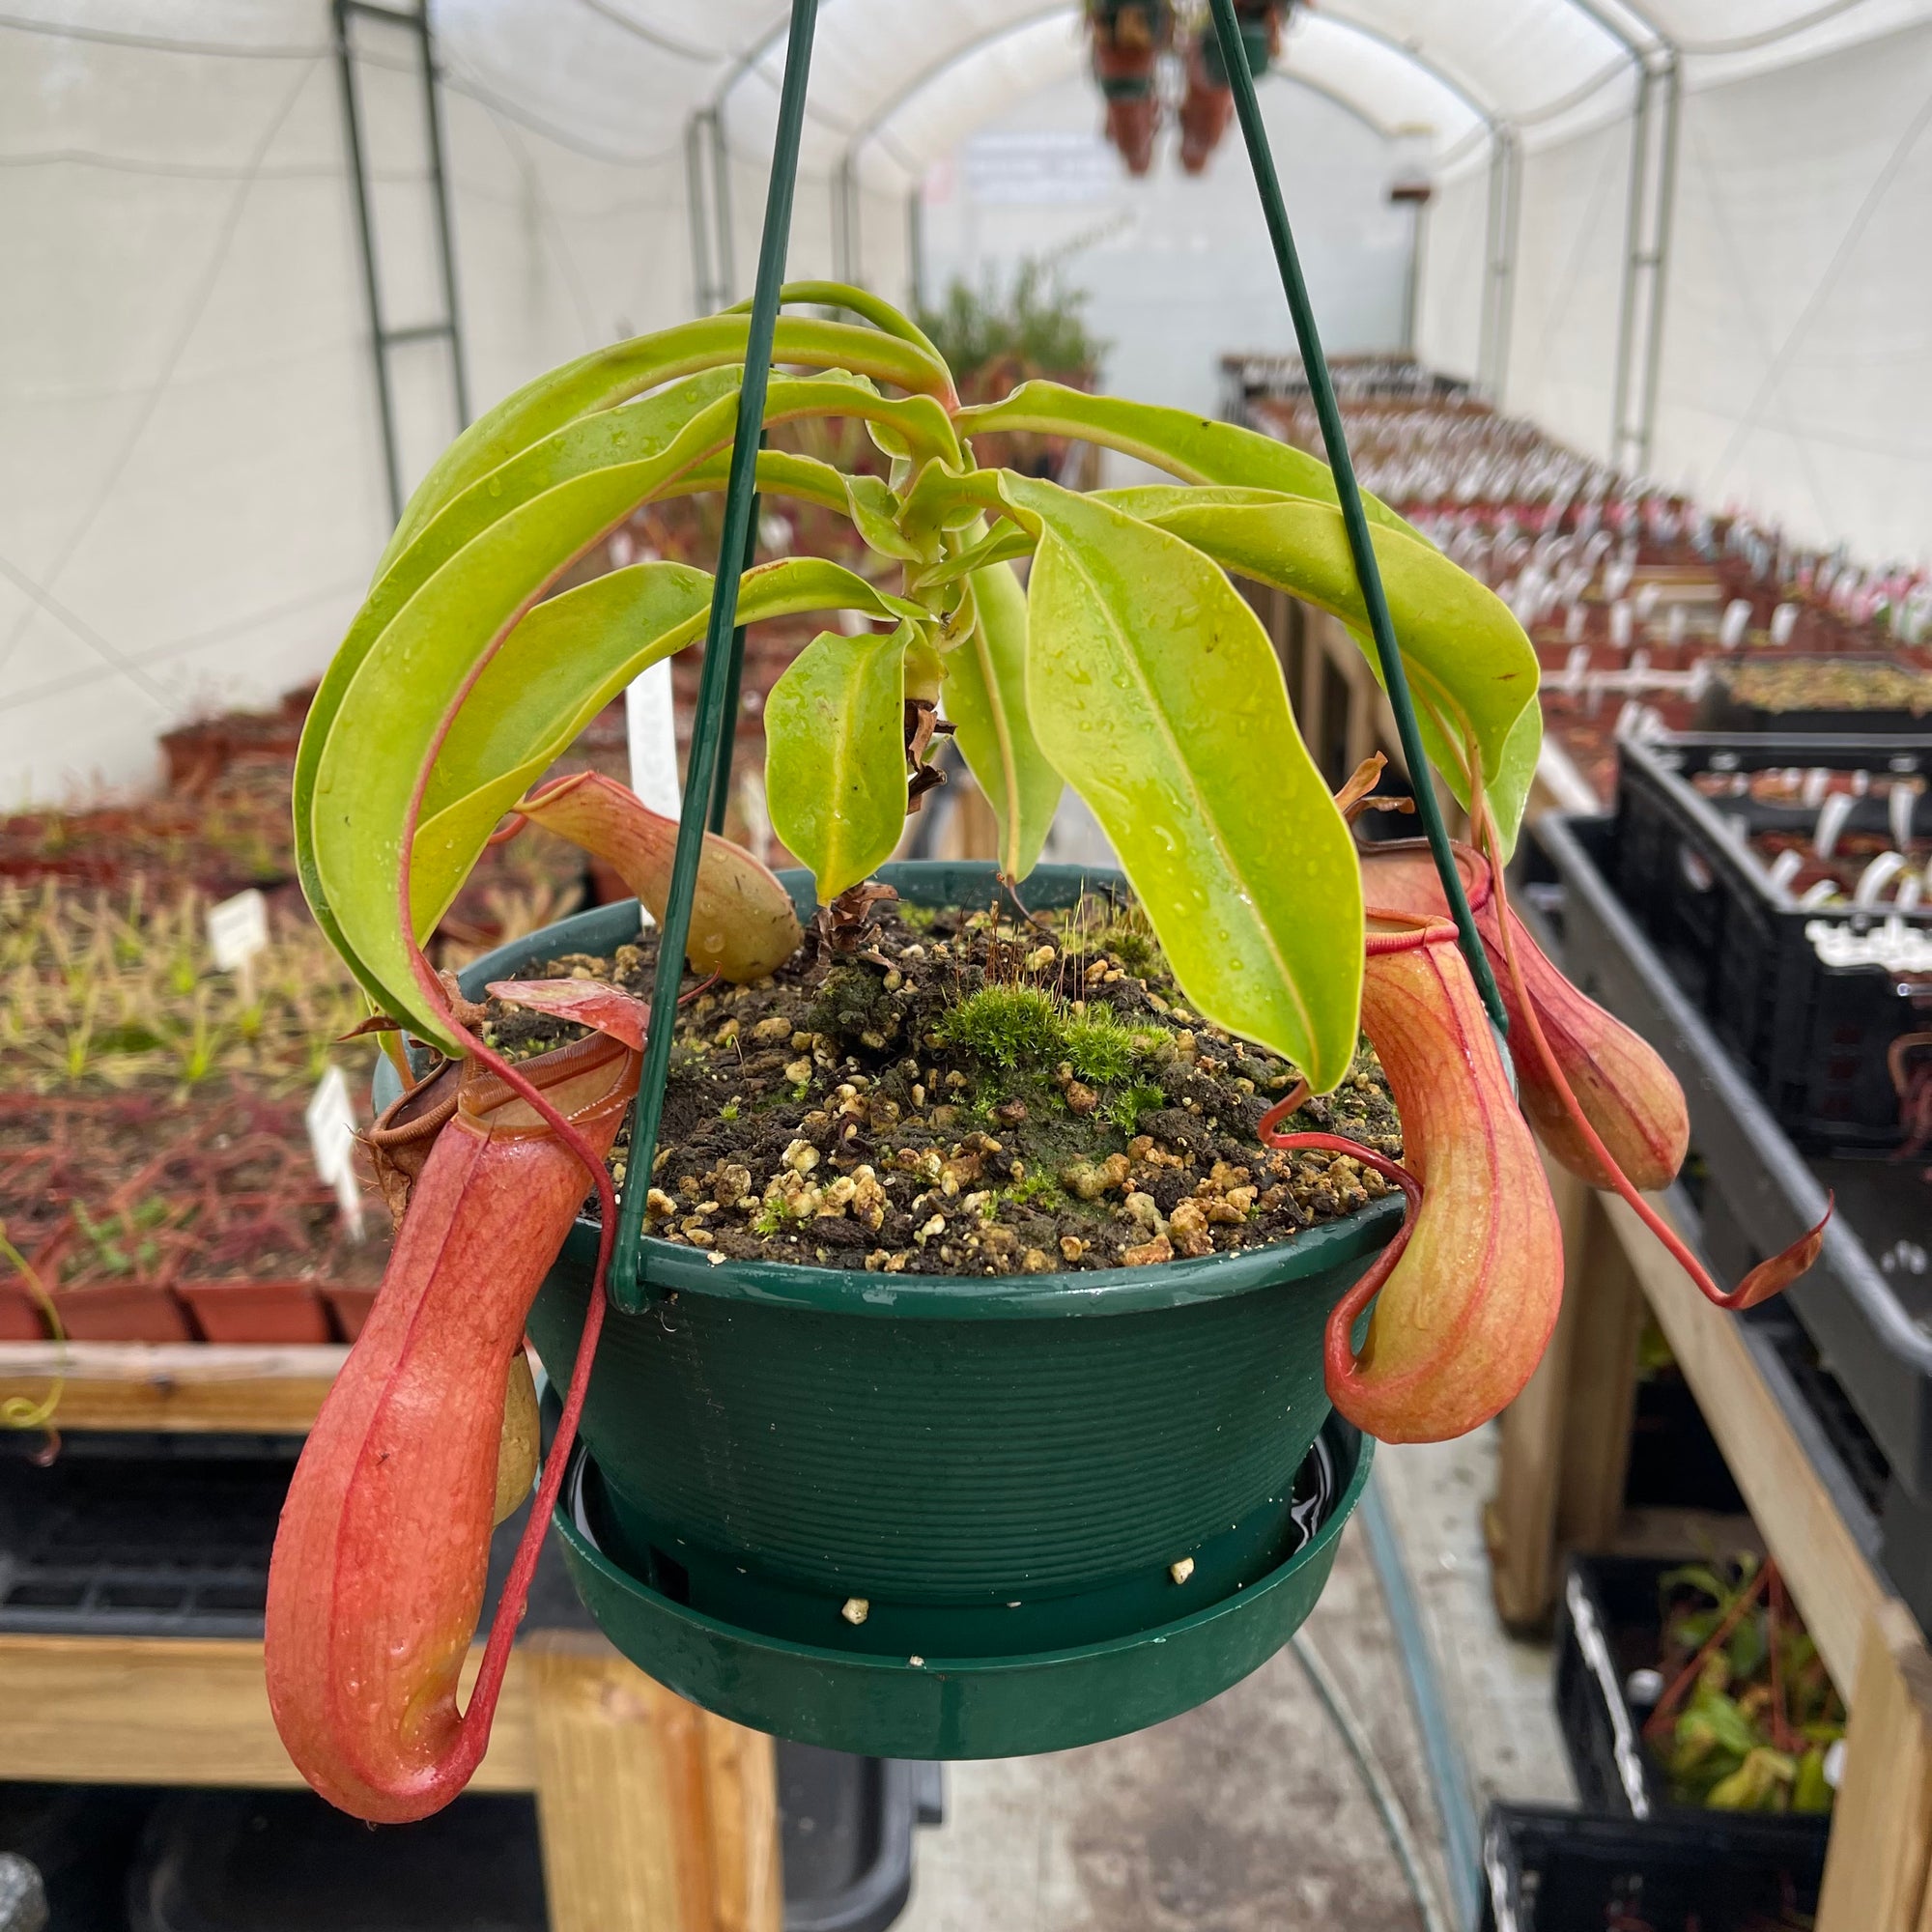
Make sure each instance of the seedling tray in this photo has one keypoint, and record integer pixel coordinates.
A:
(1723, 710)
(1607, 1625)
(1557, 1871)
(1872, 1330)
(141, 1535)
(1808, 1000)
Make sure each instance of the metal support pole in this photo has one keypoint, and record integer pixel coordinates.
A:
(626, 1288)
(1637, 194)
(1653, 195)
(1659, 275)
(1411, 290)
(698, 218)
(1498, 263)
(445, 240)
(916, 249)
(365, 230)
(846, 265)
(720, 210)
(448, 328)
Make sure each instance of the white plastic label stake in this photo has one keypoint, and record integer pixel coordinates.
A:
(1737, 616)
(652, 723)
(330, 1120)
(238, 929)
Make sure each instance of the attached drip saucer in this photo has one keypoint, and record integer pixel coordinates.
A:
(931, 1702)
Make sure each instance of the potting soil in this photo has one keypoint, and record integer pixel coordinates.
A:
(956, 1094)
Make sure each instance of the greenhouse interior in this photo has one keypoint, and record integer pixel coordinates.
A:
(966, 966)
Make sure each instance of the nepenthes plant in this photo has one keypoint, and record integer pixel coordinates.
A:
(1125, 664)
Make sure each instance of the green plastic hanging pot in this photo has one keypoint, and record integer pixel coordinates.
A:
(797, 1479)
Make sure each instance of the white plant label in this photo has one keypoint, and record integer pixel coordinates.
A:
(330, 1120)
(1737, 616)
(238, 929)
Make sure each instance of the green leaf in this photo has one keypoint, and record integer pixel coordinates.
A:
(1198, 449)
(561, 667)
(1472, 671)
(647, 429)
(609, 376)
(468, 576)
(394, 707)
(1007, 544)
(835, 760)
(874, 511)
(804, 478)
(1515, 777)
(875, 309)
(1155, 691)
(986, 694)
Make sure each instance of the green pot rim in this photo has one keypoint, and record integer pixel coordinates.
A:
(669, 1267)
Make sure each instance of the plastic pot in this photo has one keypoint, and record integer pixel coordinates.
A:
(119, 1311)
(351, 1308)
(20, 1319)
(998, 1467)
(259, 1311)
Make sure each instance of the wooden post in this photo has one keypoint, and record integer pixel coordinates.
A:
(655, 1815)
(1875, 1873)
(1566, 1438)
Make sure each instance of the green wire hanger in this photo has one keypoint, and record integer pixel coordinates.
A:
(708, 771)
(1368, 572)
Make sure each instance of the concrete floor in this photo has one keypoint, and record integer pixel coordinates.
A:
(1249, 1814)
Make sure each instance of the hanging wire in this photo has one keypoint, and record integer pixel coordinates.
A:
(724, 646)
(1354, 519)
(728, 751)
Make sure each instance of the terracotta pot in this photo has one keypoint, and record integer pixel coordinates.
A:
(122, 1311)
(1131, 126)
(257, 1311)
(20, 1318)
(351, 1308)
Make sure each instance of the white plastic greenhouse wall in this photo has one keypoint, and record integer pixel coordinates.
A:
(192, 478)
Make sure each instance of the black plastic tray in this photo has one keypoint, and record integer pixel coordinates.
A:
(1813, 1035)
(1608, 1624)
(285, 1862)
(1721, 710)
(1560, 1871)
(1756, 1194)
(1674, 1459)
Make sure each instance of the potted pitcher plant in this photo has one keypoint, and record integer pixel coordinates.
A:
(1011, 1232)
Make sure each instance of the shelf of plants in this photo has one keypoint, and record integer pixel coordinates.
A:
(1641, 603)
(1863, 1306)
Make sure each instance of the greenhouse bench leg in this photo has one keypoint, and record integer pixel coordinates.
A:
(655, 1816)
(1875, 1872)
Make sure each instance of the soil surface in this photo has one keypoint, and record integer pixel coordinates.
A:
(957, 1096)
